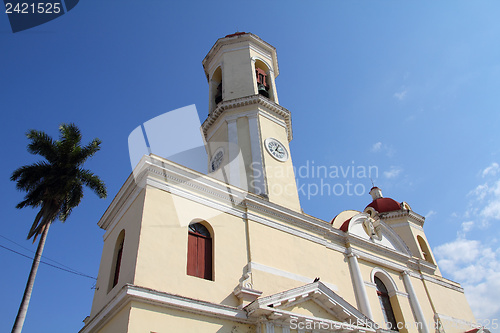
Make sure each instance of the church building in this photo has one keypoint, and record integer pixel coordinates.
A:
(232, 251)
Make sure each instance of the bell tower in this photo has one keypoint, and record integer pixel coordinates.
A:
(247, 131)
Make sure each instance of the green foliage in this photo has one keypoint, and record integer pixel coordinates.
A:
(56, 184)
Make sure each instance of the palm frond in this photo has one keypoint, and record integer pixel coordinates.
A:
(87, 151)
(93, 182)
(56, 185)
(30, 176)
(70, 134)
(41, 144)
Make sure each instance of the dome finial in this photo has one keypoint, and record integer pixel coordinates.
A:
(376, 193)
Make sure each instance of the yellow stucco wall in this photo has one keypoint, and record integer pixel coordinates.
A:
(237, 73)
(451, 303)
(131, 223)
(118, 323)
(293, 255)
(145, 318)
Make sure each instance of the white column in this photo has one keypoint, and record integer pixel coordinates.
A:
(359, 286)
(285, 329)
(211, 95)
(255, 87)
(234, 151)
(257, 184)
(269, 327)
(273, 86)
(414, 303)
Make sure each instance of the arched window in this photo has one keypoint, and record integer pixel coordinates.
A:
(199, 257)
(425, 250)
(117, 260)
(385, 303)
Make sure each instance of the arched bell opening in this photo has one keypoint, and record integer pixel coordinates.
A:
(216, 89)
(426, 253)
(263, 79)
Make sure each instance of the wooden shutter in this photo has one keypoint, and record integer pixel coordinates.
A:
(199, 261)
(207, 259)
(192, 254)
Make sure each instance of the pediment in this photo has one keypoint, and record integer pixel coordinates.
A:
(387, 237)
(311, 303)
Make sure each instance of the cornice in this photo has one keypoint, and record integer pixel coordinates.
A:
(259, 100)
(271, 209)
(249, 37)
(181, 178)
(457, 323)
(413, 217)
(357, 241)
(130, 293)
(398, 265)
(422, 265)
(129, 191)
(407, 224)
(443, 282)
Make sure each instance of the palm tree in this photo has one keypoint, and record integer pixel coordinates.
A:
(55, 186)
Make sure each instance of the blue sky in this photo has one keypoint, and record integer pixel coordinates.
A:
(408, 87)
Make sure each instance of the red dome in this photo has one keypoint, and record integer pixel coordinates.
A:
(383, 205)
(345, 225)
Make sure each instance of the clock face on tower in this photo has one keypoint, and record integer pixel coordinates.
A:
(216, 160)
(276, 149)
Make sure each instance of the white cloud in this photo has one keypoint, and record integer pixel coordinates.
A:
(492, 209)
(477, 267)
(393, 172)
(467, 226)
(458, 251)
(480, 191)
(491, 170)
(485, 201)
(376, 147)
(483, 299)
(430, 213)
(401, 95)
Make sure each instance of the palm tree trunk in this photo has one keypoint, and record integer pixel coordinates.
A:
(23, 308)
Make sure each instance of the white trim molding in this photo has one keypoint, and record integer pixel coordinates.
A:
(276, 271)
(131, 293)
(262, 102)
